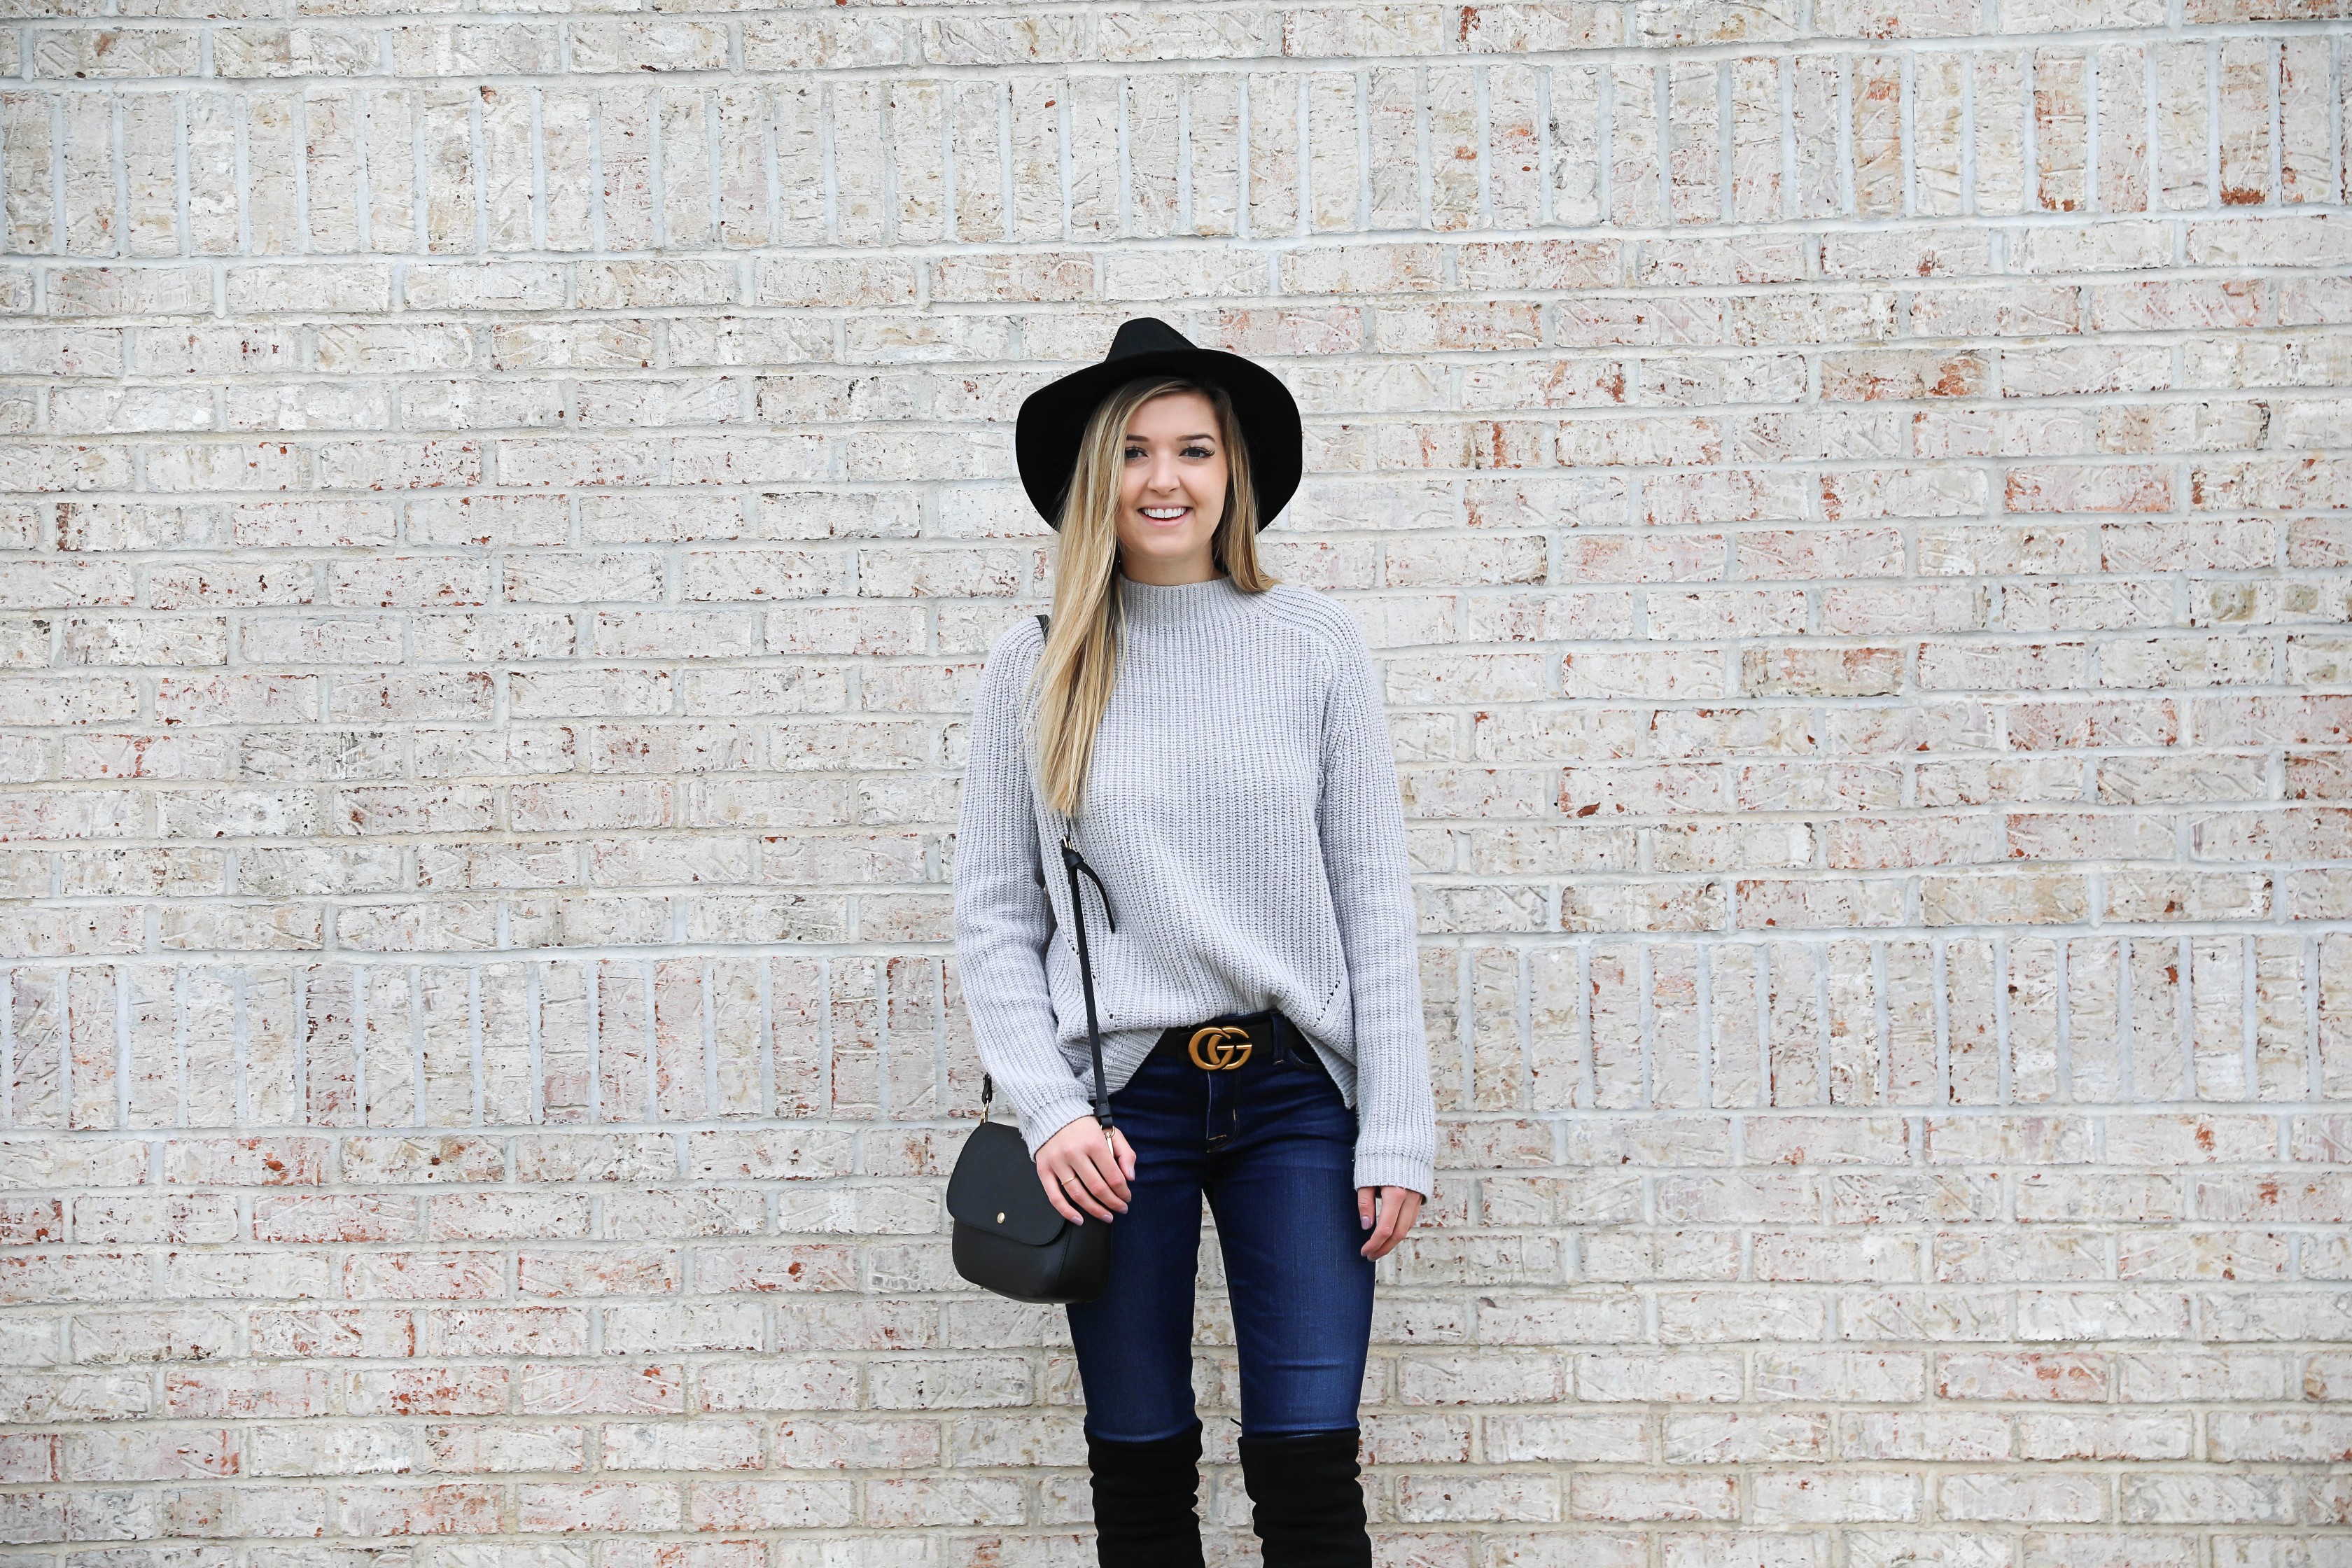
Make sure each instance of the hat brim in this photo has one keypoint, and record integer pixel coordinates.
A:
(1053, 423)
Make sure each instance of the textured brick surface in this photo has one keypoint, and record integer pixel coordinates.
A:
(501, 516)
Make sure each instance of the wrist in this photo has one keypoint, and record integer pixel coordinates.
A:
(1040, 1123)
(1078, 1129)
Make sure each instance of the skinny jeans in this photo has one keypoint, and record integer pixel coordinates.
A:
(1271, 1144)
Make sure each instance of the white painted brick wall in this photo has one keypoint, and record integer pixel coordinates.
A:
(502, 515)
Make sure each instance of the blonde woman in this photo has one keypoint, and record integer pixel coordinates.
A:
(1212, 742)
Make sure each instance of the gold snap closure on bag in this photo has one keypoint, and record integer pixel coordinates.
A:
(1211, 1048)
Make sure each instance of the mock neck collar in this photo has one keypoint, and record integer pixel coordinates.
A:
(1150, 604)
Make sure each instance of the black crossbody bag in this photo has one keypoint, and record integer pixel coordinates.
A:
(1008, 1237)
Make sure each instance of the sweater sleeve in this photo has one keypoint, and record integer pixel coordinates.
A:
(1365, 863)
(1003, 919)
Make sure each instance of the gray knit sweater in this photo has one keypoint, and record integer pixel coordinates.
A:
(1242, 808)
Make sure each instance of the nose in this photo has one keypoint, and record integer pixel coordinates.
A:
(1162, 477)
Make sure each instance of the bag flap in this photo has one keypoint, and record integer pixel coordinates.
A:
(995, 1188)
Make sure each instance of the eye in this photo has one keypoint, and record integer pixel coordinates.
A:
(1133, 453)
(1200, 449)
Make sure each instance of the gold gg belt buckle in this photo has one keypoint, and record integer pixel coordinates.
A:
(1211, 1047)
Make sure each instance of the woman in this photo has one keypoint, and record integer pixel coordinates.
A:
(1213, 744)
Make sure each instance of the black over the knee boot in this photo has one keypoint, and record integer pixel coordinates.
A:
(1310, 1512)
(1146, 1497)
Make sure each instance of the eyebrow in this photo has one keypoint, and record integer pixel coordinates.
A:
(1197, 436)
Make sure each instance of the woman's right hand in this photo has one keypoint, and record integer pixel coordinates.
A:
(1078, 1165)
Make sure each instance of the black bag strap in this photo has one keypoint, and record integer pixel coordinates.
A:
(1074, 863)
(1071, 864)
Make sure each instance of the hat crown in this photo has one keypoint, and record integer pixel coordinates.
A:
(1145, 335)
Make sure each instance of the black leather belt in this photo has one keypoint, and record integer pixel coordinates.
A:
(1232, 1041)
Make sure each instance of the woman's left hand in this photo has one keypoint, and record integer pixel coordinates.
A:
(1395, 1209)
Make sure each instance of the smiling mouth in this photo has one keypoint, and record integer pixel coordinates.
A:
(1165, 513)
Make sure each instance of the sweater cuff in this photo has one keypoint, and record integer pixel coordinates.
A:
(1040, 1122)
(1375, 1168)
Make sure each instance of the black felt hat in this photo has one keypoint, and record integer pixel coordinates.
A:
(1053, 420)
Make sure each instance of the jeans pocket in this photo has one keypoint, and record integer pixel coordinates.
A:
(1302, 1059)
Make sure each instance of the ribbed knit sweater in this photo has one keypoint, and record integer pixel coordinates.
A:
(1241, 809)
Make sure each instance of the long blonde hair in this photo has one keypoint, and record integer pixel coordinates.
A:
(1074, 678)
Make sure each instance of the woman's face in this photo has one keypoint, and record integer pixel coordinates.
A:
(1172, 492)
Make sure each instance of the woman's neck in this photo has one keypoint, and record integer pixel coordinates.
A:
(1170, 574)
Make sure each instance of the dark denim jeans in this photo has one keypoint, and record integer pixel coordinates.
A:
(1273, 1146)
